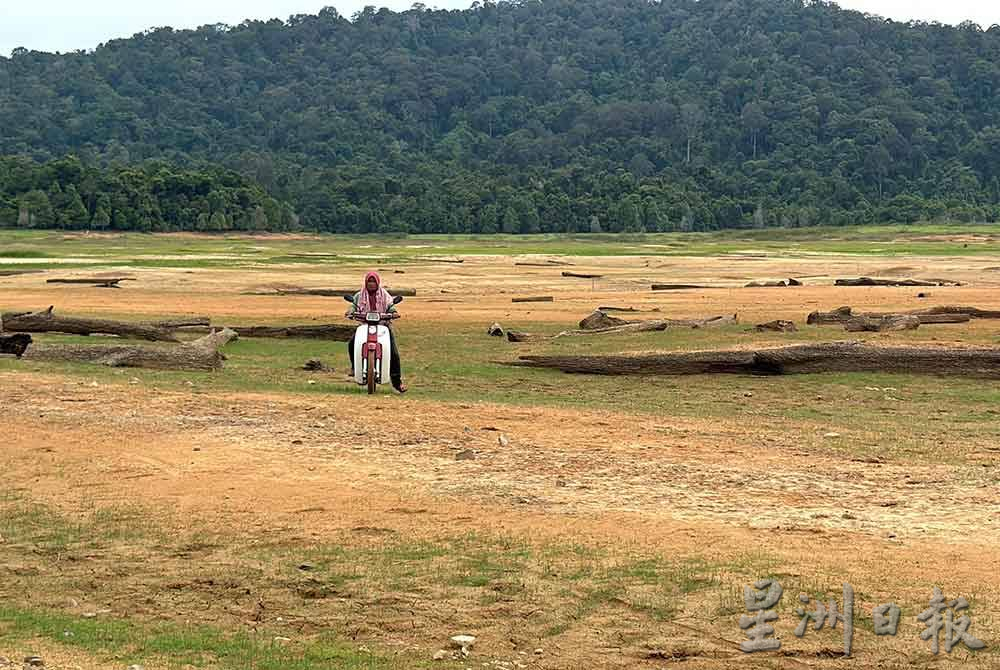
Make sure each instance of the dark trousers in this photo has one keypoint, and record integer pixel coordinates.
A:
(395, 367)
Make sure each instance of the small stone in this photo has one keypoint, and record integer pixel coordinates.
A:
(34, 661)
(440, 655)
(463, 641)
(196, 449)
(311, 382)
(4, 662)
(135, 667)
(305, 567)
(89, 615)
(502, 440)
(848, 516)
(539, 652)
(134, 380)
(748, 394)
(831, 435)
(465, 455)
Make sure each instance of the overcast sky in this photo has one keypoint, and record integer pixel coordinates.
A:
(66, 25)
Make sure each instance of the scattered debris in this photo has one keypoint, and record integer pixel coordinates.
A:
(778, 325)
(316, 365)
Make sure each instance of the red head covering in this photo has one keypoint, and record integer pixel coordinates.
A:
(374, 301)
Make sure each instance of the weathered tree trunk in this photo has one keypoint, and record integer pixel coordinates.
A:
(337, 332)
(201, 354)
(628, 328)
(868, 281)
(101, 282)
(47, 322)
(778, 325)
(675, 287)
(541, 298)
(798, 359)
(882, 324)
(625, 329)
(514, 336)
(598, 320)
(14, 345)
(183, 322)
(581, 275)
(973, 312)
(766, 284)
(933, 315)
(542, 264)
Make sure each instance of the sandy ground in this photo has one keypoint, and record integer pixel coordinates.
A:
(286, 464)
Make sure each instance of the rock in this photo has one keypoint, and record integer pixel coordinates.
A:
(794, 282)
(496, 330)
(748, 394)
(306, 567)
(4, 662)
(135, 667)
(831, 435)
(440, 655)
(34, 662)
(539, 652)
(502, 440)
(316, 365)
(465, 455)
(463, 641)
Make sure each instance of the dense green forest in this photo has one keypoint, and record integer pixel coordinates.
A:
(526, 116)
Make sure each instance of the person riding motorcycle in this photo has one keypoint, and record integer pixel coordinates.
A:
(373, 298)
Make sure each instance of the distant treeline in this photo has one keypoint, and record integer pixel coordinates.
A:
(152, 198)
(517, 116)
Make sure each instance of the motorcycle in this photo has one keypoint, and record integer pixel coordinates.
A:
(372, 346)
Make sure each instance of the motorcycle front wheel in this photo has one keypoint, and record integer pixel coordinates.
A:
(371, 372)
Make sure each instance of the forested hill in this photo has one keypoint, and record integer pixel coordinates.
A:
(531, 116)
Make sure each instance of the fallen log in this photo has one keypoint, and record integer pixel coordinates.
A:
(201, 354)
(973, 312)
(630, 327)
(933, 315)
(880, 324)
(99, 282)
(796, 359)
(336, 332)
(600, 319)
(637, 327)
(14, 273)
(581, 275)
(443, 260)
(183, 322)
(868, 281)
(778, 325)
(48, 322)
(765, 284)
(675, 287)
(541, 298)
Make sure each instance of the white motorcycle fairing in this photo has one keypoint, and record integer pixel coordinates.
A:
(361, 361)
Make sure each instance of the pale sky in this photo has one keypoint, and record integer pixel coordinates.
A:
(67, 25)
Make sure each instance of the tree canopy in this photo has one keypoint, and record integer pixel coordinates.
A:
(526, 116)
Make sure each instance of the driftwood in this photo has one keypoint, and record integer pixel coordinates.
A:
(675, 287)
(765, 284)
(581, 275)
(541, 298)
(14, 273)
(881, 324)
(798, 359)
(933, 315)
(201, 354)
(48, 322)
(337, 332)
(778, 325)
(183, 322)
(627, 328)
(600, 319)
(868, 281)
(973, 312)
(99, 282)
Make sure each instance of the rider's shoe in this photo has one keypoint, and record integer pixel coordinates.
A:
(401, 388)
